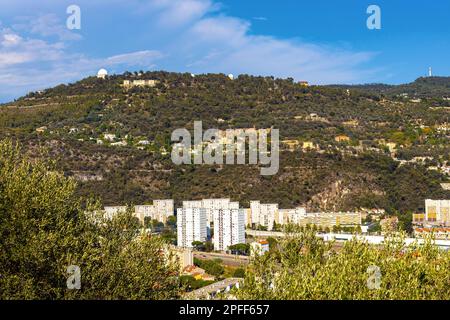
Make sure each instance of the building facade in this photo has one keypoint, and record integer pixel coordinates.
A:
(191, 226)
(437, 212)
(229, 228)
(263, 214)
(160, 210)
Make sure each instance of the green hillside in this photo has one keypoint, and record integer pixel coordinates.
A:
(361, 172)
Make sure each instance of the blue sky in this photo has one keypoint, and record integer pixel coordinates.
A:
(319, 41)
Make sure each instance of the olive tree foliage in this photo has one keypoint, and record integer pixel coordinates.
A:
(44, 229)
(305, 267)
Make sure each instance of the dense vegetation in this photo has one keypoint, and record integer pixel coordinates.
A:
(44, 230)
(304, 267)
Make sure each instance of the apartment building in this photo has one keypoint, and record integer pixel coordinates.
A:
(263, 214)
(330, 219)
(437, 212)
(291, 216)
(191, 226)
(160, 210)
(210, 205)
(229, 228)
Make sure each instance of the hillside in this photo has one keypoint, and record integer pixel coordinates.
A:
(394, 155)
(424, 87)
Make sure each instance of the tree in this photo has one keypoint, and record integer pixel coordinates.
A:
(306, 267)
(198, 245)
(239, 273)
(172, 221)
(45, 229)
(240, 248)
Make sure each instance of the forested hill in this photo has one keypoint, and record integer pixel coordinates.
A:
(428, 87)
(349, 147)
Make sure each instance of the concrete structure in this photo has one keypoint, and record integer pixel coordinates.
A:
(210, 205)
(440, 233)
(191, 226)
(229, 228)
(160, 210)
(437, 212)
(291, 216)
(263, 214)
(210, 291)
(139, 83)
(183, 256)
(342, 237)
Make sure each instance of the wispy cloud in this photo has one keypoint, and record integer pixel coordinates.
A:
(183, 35)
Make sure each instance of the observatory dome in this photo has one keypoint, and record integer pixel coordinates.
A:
(102, 73)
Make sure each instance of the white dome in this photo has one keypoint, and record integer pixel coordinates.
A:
(231, 76)
(102, 73)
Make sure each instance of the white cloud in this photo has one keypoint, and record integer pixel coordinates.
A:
(191, 35)
(139, 58)
(50, 25)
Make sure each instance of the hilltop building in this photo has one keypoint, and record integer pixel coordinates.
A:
(127, 84)
(102, 73)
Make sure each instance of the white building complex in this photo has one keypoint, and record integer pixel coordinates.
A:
(160, 210)
(210, 205)
(229, 228)
(191, 226)
(437, 212)
(263, 214)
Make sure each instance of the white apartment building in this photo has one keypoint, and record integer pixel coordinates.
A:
(229, 228)
(164, 209)
(191, 226)
(263, 214)
(296, 215)
(160, 210)
(437, 212)
(210, 205)
(143, 211)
